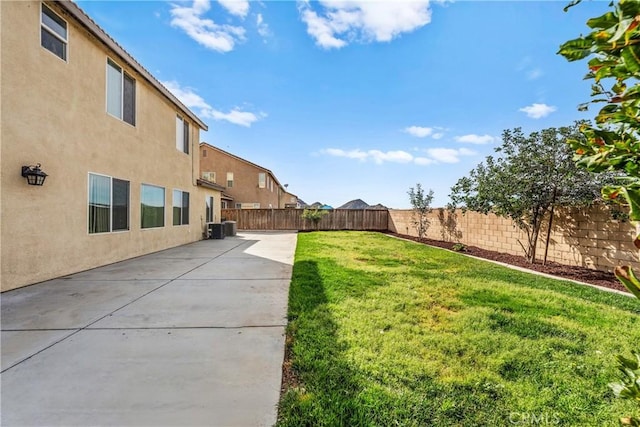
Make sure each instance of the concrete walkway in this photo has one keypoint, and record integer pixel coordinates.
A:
(190, 336)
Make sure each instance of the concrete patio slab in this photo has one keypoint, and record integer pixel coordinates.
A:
(201, 344)
(68, 304)
(238, 268)
(206, 303)
(19, 345)
(143, 268)
(160, 377)
(201, 249)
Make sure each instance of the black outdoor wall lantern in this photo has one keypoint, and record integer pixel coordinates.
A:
(33, 174)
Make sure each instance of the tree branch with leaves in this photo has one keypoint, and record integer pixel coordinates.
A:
(527, 178)
(613, 49)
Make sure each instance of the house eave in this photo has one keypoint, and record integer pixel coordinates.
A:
(81, 17)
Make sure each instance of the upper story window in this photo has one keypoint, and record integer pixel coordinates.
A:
(182, 135)
(121, 93)
(53, 33)
(229, 179)
(209, 176)
(262, 179)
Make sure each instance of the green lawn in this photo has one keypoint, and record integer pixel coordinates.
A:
(386, 332)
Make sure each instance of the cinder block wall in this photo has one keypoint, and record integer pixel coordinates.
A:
(581, 237)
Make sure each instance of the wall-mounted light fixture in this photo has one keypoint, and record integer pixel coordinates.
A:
(34, 175)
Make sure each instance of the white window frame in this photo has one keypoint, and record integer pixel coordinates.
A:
(164, 206)
(262, 180)
(207, 175)
(181, 144)
(209, 203)
(135, 100)
(111, 230)
(238, 205)
(181, 207)
(50, 30)
(229, 179)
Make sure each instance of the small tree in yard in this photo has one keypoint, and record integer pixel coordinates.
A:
(314, 215)
(421, 205)
(614, 145)
(531, 176)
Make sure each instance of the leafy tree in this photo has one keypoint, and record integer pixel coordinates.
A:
(421, 205)
(314, 215)
(528, 178)
(613, 46)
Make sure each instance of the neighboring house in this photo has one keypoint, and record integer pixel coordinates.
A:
(247, 185)
(318, 205)
(119, 149)
(355, 204)
(291, 201)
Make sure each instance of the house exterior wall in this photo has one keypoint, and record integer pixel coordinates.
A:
(289, 200)
(201, 203)
(54, 113)
(245, 190)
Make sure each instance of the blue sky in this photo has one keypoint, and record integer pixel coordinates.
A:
(360, 99)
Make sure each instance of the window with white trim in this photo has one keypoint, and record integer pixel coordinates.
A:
(151, 206)
(209, 176)
(238, 205)
(229, 179)
(182, 135)
(53, 32)
(108, 204)
(121, 93)
(262, 177)
(180, 207)
(209, 214)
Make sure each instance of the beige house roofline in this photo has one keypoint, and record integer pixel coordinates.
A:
(74, 10)
(246, 161)
(211, 185)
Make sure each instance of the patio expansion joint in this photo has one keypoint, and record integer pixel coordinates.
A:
(171, 328)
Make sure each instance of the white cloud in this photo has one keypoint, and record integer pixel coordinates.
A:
(236, 7)
(475, 139)
(339, 22)
(320, 29)
(263, 29)
(537, 111)
(376, 156)
(235, 116)
(418, 131)
(534, 74)
(221, 38)
(435, 155)
(353, 154)
(437, 135)
(423, 161)
(194, 101)
(448, 155)
(390, 156)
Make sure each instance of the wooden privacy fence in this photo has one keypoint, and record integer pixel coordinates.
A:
(291, 219)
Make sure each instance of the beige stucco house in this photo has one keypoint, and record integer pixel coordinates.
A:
(120, 151)
(250, 186)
